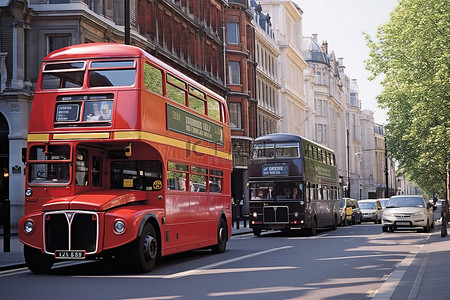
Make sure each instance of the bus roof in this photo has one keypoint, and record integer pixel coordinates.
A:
(286, 137)
(114, 50)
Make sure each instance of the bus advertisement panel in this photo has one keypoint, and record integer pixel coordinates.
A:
(126, 157)
(293, 184)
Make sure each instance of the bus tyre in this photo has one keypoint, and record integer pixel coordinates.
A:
(36, 261)
(257, 232)
(335, 224)
(222, 237)
(313, 229)
(145, 250)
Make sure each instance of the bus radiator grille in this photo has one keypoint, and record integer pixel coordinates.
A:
(276, 214)
(71, 231)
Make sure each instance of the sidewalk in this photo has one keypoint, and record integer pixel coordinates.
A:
(426, 278)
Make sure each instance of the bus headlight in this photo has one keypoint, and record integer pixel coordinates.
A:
(28, 192)
(302, 202)
(119, 227)
(28, 227)
(255, 214)
(296, 214)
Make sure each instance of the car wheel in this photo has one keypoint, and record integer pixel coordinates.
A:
(385, 228)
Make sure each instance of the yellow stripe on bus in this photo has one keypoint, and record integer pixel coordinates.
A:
(141, 135)
(39, 137)
(81, 136)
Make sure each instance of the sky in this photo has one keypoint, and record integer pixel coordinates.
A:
(341, 23)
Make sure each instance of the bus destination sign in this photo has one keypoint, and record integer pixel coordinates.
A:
(190, 124)
(270, 170)
(67, 112)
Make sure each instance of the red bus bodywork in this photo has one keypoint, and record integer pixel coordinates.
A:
(152, 162)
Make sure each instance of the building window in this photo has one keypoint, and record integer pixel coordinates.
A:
(353, 99)
(235, 72)
(235, 115)
(233, 33)
(57, 42)
(321, 108)
(321, 133)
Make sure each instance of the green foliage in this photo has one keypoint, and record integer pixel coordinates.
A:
(412, 52)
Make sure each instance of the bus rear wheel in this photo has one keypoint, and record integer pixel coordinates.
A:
(36, 261)
(222, 237)
(145, 250)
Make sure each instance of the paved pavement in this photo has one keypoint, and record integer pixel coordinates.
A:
(426, 278)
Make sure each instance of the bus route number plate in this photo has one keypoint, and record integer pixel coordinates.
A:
(70, 254)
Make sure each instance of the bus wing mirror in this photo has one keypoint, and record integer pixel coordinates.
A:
(24, 155)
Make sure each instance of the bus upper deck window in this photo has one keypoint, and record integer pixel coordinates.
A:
(63, 75)
(112, 73)
(263, 150)
(287, 150)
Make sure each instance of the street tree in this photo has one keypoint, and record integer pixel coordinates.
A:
(411, 52)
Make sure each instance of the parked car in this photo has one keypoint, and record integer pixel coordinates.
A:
(356, 213)
(371, 210)
(411, 212)
(349, 211)
(383, 202)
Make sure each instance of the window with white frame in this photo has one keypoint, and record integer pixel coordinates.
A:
(234, 69)
(233, 33)
(321, 107)
(321, 133)
(235, 115)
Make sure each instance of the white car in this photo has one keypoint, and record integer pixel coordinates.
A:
(411, 212)
(371, 210)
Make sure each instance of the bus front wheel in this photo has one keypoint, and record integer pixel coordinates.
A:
(257, 232)
(222, 237)
(36, 261)
(145, 250)
(313, 229)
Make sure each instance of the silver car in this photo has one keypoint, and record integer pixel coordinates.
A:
(371, 210)
(408, 212)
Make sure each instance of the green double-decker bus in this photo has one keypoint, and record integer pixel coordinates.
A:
(293, 184)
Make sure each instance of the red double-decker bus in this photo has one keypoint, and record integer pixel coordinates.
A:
(126, 157)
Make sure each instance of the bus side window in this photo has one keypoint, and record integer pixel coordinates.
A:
(176, 89)
(96, 171)
(82, 167)
(153, 79)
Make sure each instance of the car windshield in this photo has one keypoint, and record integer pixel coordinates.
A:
(367, 205)
(406, 202)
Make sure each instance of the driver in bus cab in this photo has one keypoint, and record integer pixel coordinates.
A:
(295, 194)
(105, 110)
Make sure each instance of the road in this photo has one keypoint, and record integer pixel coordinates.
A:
(351, 262)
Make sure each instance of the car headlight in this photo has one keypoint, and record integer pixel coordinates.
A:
(387, 214)
(119, 227)
(419, 213)
(28, 227)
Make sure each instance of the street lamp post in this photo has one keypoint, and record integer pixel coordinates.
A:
(386, 170)
(127, 22)
(348, 163)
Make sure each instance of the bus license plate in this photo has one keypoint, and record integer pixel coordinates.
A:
(402, 223)
(70, 254)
